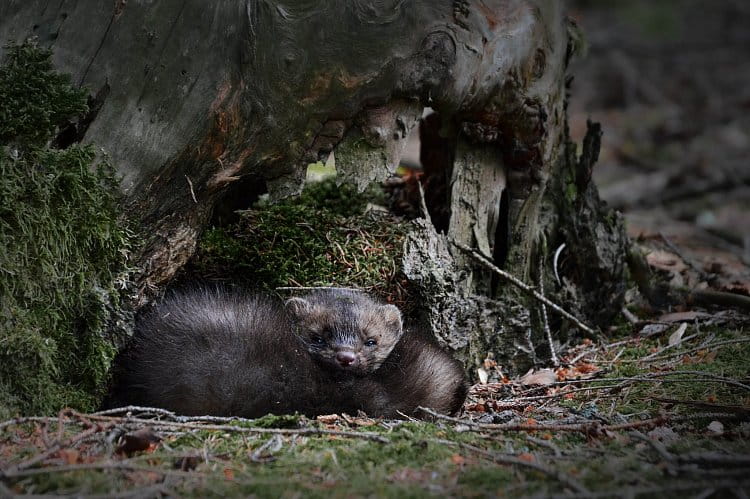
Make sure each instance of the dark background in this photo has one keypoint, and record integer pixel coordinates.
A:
(670, 83)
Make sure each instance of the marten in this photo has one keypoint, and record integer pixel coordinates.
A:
(229, 353)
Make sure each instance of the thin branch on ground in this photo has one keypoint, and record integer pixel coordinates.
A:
(57, 447)
(711, 376)
(545, 443)
(706, 405)
(244, 429)
(545, 321)
(24, 420)
(655, 444)
(108, 465)
(313, 288)
(528, 289)
(423, 203)
(709, 346)
(561, 477)
(588, 427)
(668, 347)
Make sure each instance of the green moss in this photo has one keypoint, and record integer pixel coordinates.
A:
(62, 246)
(36, 99)
(321, 238)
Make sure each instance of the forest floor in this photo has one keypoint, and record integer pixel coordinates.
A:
(665, 409)
(658, 407)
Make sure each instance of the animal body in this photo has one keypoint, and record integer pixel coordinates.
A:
(228, 353)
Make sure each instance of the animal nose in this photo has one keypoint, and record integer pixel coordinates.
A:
(345, 358)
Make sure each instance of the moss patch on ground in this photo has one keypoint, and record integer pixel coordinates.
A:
(63, 246)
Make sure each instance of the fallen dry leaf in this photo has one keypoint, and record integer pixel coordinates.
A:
(585, 368)
(676, 337)
(525, 456)
(328, 418)
(458, 459)
(476, 408)
(229, 473)
(69, 456)
(542, 377)
(665, 260)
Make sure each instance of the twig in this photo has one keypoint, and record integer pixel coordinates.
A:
(57, 447)
(561, 477)
(313, 288)
(655, 444)
(559, 394)
(587, 427)
(545, 321)
(715, 459)
(244, 429)
(689, 262)
(545, 443)
(728, 381)
(24, 420)
(667, 347)
(710, 346)
(171, 415)
(555, 260)
(192, 192)
(136, 408)
(518, 283)
(719, 407)
(96, 466)
(580, 356)
(423, 204)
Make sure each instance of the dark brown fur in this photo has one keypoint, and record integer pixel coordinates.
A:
(226, 353)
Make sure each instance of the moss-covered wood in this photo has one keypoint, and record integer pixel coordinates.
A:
(63, 246)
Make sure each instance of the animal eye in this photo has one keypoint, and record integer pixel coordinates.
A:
(317, 340)
(371, 342)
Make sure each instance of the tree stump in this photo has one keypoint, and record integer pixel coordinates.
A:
(189, 99)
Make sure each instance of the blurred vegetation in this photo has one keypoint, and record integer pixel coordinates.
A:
(63, 245)
(653, 20)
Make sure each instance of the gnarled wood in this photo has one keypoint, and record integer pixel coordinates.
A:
(193, 96)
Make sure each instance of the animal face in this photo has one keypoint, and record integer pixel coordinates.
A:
(346, 330)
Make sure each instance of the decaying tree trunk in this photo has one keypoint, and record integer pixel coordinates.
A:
(189, 98)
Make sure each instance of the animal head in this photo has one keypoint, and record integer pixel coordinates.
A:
(346, 330)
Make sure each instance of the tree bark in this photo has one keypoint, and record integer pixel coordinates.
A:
(189, 97)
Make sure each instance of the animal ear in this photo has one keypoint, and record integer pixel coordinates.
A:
(298, 307)
(392, 316)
